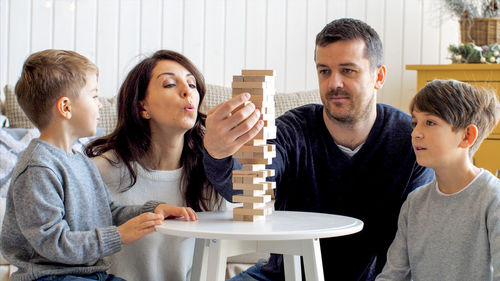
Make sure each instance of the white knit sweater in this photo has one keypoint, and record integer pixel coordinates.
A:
(155, 256)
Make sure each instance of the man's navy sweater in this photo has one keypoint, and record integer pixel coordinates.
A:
(313, 174)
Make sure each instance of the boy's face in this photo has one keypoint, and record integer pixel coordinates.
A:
(435, 144)
(85, 109)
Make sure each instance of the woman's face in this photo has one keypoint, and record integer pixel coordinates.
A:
(172, 99)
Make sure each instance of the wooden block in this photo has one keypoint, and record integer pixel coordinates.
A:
(253, 193)
(238, 78)
(250, 85)
(269, 72)
(250, 212)
(257, 78)
(260, 148)
(252, 199)
(270, 185)
(266, 161)
(247, 186)
(254, 91)
(256, 142)
(253, 167)
(266, 155)
(248, 218)
(248, 179)
(266, 133)
(254, 205)
(270, 192)
(269, 123)
(237, 179)
(261, 174)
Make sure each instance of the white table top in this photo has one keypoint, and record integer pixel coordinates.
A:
(280, 225)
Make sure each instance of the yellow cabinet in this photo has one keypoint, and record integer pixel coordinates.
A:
(485, 75)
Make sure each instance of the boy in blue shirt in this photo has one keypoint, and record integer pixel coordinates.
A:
(449, 229)
(60, 222)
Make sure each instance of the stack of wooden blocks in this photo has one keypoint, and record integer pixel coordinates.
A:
(258, 194)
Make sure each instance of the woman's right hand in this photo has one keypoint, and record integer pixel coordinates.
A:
(225, 132)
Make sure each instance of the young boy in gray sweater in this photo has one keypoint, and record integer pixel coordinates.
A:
(59, 222)
(449, 229)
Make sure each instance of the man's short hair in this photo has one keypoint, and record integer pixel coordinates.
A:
(47, 76)
(347, 29)
(460, 104)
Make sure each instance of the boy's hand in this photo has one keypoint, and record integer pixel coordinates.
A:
(167, 210)
(133, 229)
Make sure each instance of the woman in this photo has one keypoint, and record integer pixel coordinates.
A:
(155, 152)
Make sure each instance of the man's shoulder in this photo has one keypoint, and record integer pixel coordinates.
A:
(392, 114)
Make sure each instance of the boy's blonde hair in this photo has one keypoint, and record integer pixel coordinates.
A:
(47, 76)
(461, 105)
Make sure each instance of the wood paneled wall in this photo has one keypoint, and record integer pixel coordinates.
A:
(222, 36)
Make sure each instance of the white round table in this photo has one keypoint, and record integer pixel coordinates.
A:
(292, 234)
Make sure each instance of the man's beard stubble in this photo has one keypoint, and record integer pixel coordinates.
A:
(352, 116)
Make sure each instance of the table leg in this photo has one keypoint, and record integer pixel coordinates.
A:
(293, 271)
(199, 268)
(217, 260)
(313, 264)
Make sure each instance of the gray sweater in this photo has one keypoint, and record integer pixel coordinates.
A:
(59, 217)
(448, 237)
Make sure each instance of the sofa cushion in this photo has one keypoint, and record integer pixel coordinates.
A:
(17, 118)
(283, 101)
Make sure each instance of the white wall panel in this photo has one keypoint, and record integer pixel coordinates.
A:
(234, 58)
(393, 53)
(173, 25)
(222, 36)
(295, 48)
(411, 46)
(19, 37)
(86, 28)
(276, 40)
(316, 20)
(194, 29)
(430, 44)
(129, 37)
(41, 25)
(356, 9)
(4, 35)
(107, 46)
(151, 26)
(255, 56)
(336, 9)
(214, 41)
(64, 25)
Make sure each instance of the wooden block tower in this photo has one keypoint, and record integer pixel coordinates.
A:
(258, 194)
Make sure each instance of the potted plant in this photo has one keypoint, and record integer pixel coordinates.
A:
(479, 20)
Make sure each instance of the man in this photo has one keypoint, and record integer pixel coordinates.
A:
(349, 156)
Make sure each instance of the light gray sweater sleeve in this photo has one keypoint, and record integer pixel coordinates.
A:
(42, 214)
(397, 266)
(493, 223)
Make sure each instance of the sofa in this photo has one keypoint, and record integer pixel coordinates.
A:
(16, 131)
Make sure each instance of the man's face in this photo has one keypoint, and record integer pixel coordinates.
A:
(347, 83)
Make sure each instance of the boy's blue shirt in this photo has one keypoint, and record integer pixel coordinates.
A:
(59, 218)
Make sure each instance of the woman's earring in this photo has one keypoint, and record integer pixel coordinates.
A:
(146, 115)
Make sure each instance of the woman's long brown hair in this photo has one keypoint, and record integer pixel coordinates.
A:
(131, 139)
